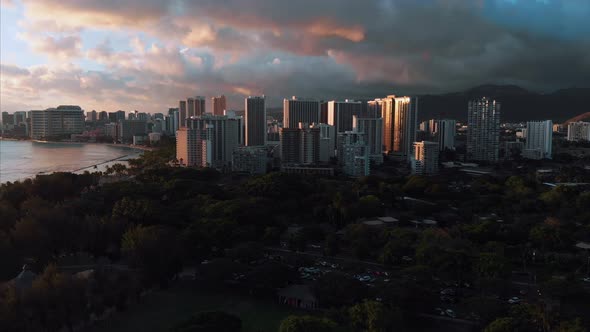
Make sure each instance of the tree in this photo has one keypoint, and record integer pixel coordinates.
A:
(9, 216)
(372, 316)
(336, 289)
(369, 206)
(307, 324)
(572, 326)
(332, 245)
(491, 265)
(503, 324)
(218, 321)
(153, 249)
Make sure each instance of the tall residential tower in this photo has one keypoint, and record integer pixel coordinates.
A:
(483, 130)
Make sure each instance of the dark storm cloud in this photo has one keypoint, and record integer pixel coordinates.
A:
(331, 48)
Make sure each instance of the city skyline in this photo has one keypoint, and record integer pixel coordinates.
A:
(107, 57)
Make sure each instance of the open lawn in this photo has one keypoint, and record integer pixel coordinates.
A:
(161, 310)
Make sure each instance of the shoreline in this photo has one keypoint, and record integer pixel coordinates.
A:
(119, 145)
(129, 152)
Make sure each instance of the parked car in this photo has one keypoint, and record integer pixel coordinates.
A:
(450, 313)
(514, 300)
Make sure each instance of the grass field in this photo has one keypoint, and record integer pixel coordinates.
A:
(161, 310)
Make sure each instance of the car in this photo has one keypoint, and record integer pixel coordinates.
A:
(407, 258)
(587, 279)
(522, 292)
(439, 311)
(514, 300)
(450, 313)
(315, 246)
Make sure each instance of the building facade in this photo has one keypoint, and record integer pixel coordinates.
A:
(444, 132)
(425, 158)
(373, 130)
(250, 159)
(483, 130)
(188, 147)
(400, 121)
(327, 139)
(129, 128)
(539, 140)
(340, 114)
(297, 111)
(255, 113)
(182, 114)
(300, 146)
(57, 122)
(578, 131)
(219, 105)
(218, 136)
(353, 154)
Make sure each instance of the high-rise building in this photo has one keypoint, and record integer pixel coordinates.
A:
(219, 105)
(103, 116)
(190, 107)
(340, 114)
(189, 147)
(110, 130)
(141, 116)
(483, 131)
(92, 116)
(7, 118)
(182, 113)
(373, 130)
(129, 128)
(444, 132)
(241, 126)
(425, 158)
(112, 117)
(250, 159)
(323, 112)
(120, 115)
(513, 149)
(219, 136)
(539, 140)
(353, 154)
(196, 106)
(578, 131)
(255, 113)
(300, 145)
(20, 117)
(57, 122)
(199, 108)
(297, 111)
(400, 116)
(327, 139)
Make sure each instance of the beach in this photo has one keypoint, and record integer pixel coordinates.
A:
(20, 160)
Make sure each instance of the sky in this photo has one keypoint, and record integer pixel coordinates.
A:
(146, 55)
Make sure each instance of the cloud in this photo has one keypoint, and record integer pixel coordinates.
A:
(158, 51)
(54, 46)
(7, 3)
(12, 71)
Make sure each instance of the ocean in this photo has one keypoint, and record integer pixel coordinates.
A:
(25, 159)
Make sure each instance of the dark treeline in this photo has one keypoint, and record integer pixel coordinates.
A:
(163, 219)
